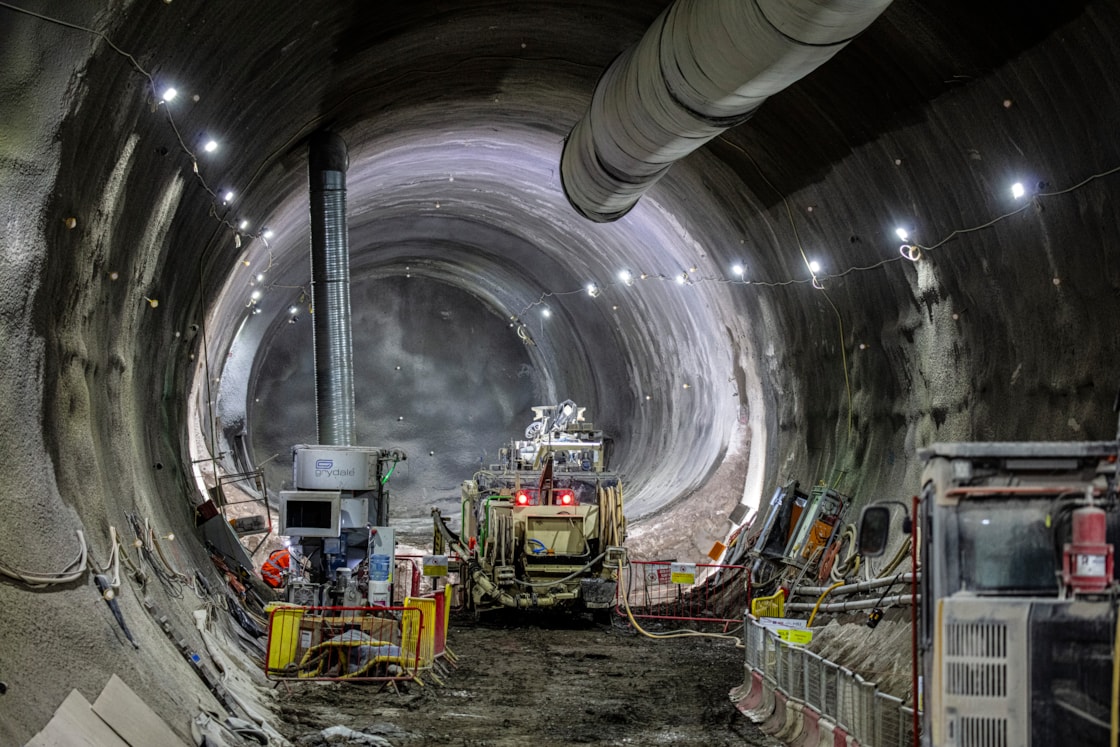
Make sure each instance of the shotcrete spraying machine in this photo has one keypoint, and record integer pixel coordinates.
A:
(544, 527)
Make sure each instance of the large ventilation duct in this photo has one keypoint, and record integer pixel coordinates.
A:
(702, 67)
(330, 290)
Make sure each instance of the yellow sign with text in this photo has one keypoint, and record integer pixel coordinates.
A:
(682, 573)
(797, 637)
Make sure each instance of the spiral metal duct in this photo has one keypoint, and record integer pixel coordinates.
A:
(328, 161)
(703, 66)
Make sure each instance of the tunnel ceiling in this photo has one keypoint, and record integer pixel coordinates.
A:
(455, 114)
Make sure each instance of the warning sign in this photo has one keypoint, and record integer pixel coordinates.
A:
(435, 565)
(682, 573)
(796, 637)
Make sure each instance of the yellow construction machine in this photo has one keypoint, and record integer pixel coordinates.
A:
(543, 527)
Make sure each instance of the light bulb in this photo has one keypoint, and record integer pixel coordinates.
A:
(738, 270)
(255, 295)
(592, 290)
(546, 313)
(902, 233)
(1017, 190)
(626, 276)
(211, 146)
(268, 234)
(228, 197)
(169, 94)
(814, 267)
(244, 225)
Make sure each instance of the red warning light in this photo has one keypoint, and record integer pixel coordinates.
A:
(565, 498)
(522, 498)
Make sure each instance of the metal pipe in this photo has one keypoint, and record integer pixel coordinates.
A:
(702, 67)
(854, 604)
(327, 163)
(876, 583)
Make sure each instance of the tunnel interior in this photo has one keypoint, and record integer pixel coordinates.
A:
(154, 287)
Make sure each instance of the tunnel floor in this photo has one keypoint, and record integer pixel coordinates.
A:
(547, 684)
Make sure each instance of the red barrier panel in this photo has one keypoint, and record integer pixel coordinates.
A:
(810, 731)
(719, 594)
(754, 696)
(409, 579)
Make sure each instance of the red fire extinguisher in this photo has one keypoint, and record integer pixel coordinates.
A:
(1087, 561)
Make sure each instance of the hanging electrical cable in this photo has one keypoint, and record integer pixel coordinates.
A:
(71, 572)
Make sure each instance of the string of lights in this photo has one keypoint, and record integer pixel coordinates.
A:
(912, 251)
(221, 200)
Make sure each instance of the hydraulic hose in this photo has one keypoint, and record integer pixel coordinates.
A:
(672, 633)
(573, 574)
(820, 599)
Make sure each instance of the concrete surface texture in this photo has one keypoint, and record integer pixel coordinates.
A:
(128, 272)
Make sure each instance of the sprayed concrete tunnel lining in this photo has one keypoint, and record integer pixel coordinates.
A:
(455, 122)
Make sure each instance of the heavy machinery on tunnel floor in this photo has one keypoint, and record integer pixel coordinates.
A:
(544, 527)
(1018, 633)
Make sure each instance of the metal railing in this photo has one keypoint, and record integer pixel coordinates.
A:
(409, 581)
(719, 594)
(874, 718)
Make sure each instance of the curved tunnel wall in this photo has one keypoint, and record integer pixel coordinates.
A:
(1000, 333)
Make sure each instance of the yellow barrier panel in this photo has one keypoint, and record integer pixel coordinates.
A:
(771, 606)
(283, 636)
(419, 622)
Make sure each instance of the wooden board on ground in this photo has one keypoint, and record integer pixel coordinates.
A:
(132, 718)
(75, 724)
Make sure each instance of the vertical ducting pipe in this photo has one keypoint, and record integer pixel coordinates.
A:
(703, 66)
(330, 290)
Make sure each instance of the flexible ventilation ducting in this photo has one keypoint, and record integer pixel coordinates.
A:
(703, 66)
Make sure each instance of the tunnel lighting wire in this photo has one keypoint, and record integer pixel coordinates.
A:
(217, 202)
(37, 579)
(314, 122)
(843, 357)
(816, 283)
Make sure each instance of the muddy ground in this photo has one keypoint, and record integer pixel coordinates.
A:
(545, 683)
